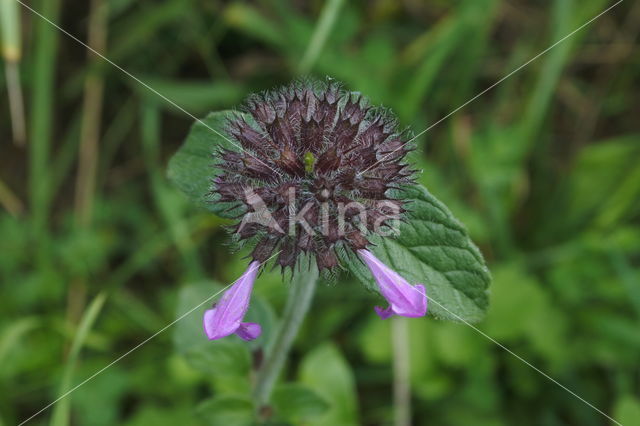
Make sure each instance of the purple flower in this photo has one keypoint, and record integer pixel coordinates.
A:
(226, 316)
(324, 147)
(404, 299)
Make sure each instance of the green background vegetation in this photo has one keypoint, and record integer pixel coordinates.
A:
(99, 251)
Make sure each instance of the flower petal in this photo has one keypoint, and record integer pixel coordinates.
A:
(404, 299)
(249, 330)
(226, 316)
(383, 313)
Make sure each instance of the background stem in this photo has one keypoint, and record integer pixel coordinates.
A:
(89, 147)
(11, 46)
(41, 128)
(91, 115)
(401, 371)
(16, 102)
(303, 286)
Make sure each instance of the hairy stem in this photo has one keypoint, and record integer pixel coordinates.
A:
(302, 289)
(401, 385)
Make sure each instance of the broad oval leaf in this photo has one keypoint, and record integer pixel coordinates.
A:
(433, 248)
(326, 372)
(192, 169)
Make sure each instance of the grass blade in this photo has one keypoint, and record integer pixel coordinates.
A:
(10, 30)
(45, 58)
(61, 411)
(12, 53)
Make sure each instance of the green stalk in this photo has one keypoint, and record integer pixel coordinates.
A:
(325, 23)
(16, 102)
(91, 116)
(89, 147)
(302, 289)
(10, 27)
(12, 52)
(46, 42)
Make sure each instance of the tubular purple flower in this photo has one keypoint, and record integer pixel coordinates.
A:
(404, 299)
(226, 316)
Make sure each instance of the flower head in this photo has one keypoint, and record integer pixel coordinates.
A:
(315, 174)
(226, 316)
(404, 299)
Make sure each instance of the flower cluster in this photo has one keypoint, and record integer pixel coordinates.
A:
(321, 152)
(314, 177)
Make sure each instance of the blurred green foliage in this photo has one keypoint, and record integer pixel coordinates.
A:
(543, 170)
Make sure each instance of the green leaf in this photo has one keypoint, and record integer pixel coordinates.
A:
(297, 403)
(374, 340)
(61, 411)
(627, 410)
(434, 249)
(161, 415)
(521, 309)
(228, 411)
(11, 336)
(603, 184)
(191, 168)
(326, 371)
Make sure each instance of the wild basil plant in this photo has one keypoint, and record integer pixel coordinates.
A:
(317, 181)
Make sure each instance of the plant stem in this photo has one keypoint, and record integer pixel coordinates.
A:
(91, 116)
(302, 289)
(88, 148)
(11, 46)
(401, 369)
(41, 129)
(16, 102)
